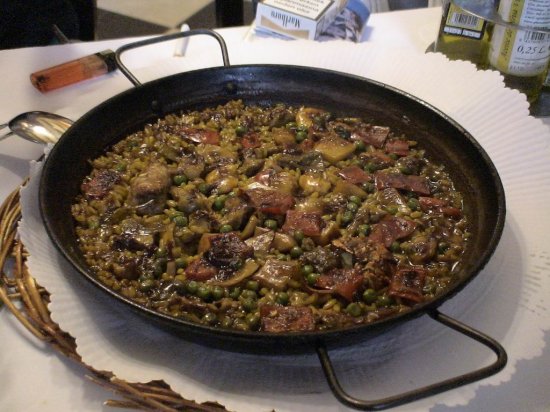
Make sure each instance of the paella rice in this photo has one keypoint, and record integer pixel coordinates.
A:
(274, 219)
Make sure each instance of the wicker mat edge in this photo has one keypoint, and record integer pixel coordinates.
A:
(28, 302)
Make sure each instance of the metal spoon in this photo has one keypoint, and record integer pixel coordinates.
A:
(38, 127)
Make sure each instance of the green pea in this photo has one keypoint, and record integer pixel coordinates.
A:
(301, 136)
(249, 304)
(296, 252)
(353, 309)
(219, 203)
(406, 170)
(347, 217)
(282, 298)
(146, 285)
(299, 236)
(226, 228)
(307, 269)
(368, 187)
(204, 292)
(291, 125)
(209, 318)
(179, 180)
(181, 263)
(363, 229)
(203, 188)
(158, 268)
(235, 292)
(253, 285)
(249, 294)
(241, 129)
(93, 224)
(393, 156)
(312, 278)
(179, 286)
(395, 247)
(161, 252)
(369, 296)
(226, 322)
(384, 301)
(271, 224)
(392, 209)
(413, 204)
(370, 167)
(360, 146)
(352, 207)
(302, 128)
(355, 199)
(180, 220)
(218, 292)
(253, 320)
(192, 287)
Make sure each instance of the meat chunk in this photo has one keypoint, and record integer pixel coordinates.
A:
(417, 184)
(227, 250)
(134, 236)
(100, 184)
(310, 223)
(399, 147)
(373, 135)
(376, 160)
(251, 140)
(355, 175)
(407, 283)
(197, 135)
(392, 228)
(275, 318)
(191, 165)
(201, 270)
(344, 282)
(270, 201)
(148, 191)
(438, 206)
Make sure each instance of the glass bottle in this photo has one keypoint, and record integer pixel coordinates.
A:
(462, 35)
(520, 54)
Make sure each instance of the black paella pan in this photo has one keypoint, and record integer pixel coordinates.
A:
(445, 142)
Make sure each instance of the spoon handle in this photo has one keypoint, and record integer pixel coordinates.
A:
(3, 125)
(5, 135)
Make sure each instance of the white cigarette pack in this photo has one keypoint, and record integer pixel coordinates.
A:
(298, 19)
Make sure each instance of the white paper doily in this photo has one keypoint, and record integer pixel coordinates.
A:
(505, 301)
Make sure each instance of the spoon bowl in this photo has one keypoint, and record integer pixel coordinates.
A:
(37, 126)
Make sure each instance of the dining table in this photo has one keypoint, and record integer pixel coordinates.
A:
(508, 300)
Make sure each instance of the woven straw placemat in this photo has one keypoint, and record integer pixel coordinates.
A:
(28, 302)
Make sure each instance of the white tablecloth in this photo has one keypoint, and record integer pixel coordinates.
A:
(57, 384)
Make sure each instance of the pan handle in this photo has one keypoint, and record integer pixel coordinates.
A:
(423, 392)
(160, 39)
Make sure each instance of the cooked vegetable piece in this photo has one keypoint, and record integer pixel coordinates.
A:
(334, 148)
